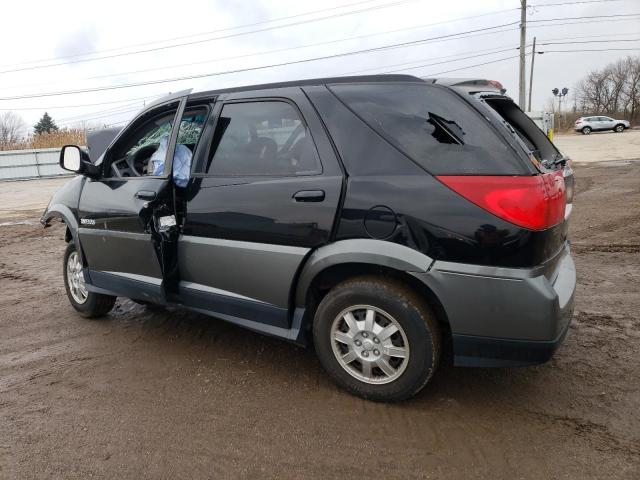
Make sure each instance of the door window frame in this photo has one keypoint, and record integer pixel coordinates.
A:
(211, 128)
(132, 126)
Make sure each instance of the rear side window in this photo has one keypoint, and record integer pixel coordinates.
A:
(265, 138)
(433, 127)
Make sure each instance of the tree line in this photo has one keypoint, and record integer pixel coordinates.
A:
(46, 134)
(613, 90)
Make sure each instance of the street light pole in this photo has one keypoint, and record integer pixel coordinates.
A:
(523, 38)
(560, 93)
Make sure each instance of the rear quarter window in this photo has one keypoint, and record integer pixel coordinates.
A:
(432, 126)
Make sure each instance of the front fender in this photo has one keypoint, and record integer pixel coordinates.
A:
(63, 204)
(361, 250)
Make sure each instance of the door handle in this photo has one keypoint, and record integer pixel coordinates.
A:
(146, 195)
(309, 196)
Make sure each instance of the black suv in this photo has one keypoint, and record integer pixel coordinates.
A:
(380, 217)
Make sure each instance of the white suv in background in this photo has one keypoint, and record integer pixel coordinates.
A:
(588, 124)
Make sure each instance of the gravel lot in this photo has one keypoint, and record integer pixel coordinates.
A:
(600, 146)
(169, 394)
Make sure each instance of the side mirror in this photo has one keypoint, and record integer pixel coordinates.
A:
(74, 159)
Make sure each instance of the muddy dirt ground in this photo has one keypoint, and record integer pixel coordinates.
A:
(145, 394)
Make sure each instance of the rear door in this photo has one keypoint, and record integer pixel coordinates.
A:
(607, 123)
(120, 212)
(265, 191)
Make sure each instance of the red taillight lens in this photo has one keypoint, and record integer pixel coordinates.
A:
(535, 202)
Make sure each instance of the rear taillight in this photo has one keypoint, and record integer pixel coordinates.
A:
(535, 202)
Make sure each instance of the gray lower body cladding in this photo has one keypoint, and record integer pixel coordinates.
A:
(505, 316)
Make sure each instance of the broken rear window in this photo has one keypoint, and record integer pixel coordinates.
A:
(432, 126)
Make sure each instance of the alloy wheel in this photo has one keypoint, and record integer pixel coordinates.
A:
(369, 344)
(75, 278)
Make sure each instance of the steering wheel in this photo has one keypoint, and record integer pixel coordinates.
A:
(139, 161)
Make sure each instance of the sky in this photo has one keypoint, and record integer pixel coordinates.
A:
(57, 47)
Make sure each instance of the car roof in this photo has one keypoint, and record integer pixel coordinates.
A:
(311, 82)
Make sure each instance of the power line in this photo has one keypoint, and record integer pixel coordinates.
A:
(253, 31)
(194, 42)
(346, 5)
(590, 50)
(575, 3)
(288, 17)
(592, 41)
(111, 110)
(582, 23)
(115, 124)
(239, 70)
(490, 50)
(448, 61)
(584, 17)
(462, 36)
(593, 36)
(279, 50)
(84, 104)
(476, 65)
(113, 114)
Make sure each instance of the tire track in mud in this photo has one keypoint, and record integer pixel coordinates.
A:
(583, 185)
(10, 273)
(599, 435)
(582, 247)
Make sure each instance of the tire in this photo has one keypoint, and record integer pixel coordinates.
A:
(586, 130)
(618, 128)
(88, 304)
(393, 305)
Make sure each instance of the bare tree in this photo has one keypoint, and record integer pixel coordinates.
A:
(12, 130)
(614, 90)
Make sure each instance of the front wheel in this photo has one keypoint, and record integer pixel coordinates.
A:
(88, 304)
(377, 339)
(619, 128)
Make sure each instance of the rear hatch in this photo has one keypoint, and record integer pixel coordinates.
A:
(481, 146)
(554, 168)
(542, 152)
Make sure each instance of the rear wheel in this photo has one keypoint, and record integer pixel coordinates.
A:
(586, 130)
(619, 128)
(88, 304)
(377, 339)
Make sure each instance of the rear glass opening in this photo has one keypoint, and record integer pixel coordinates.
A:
(434, 127)
(530, 136)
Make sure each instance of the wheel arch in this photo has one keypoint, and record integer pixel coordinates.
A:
(337, 262)
(65, 214)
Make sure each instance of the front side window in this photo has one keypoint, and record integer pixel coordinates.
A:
(132, 153)
(188, 135)
(261, 138)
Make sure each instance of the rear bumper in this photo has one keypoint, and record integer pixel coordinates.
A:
(473, 351)
(505, 316)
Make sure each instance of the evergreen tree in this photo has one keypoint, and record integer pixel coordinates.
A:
(45, 125)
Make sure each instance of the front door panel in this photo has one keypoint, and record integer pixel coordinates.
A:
(116, 236)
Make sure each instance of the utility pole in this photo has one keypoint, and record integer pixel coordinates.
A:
(523, 39)
(533, 59)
